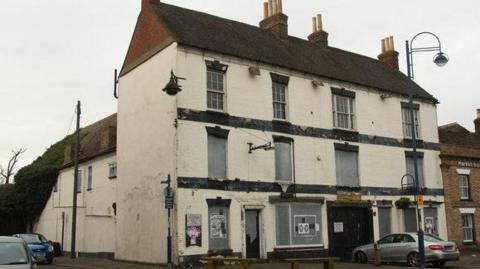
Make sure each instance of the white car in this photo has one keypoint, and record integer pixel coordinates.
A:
(14, 254)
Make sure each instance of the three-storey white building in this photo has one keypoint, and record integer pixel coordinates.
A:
(277, 146)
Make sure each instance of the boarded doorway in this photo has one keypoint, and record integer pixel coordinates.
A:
(348, 227)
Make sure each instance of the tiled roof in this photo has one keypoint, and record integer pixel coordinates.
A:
(215, 34)
(96, 139)
(455, 140)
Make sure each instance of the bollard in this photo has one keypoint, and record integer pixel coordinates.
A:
(377, 255)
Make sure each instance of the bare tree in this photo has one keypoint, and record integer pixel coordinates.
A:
(6, 175)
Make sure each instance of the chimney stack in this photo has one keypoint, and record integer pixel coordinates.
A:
(273, 18)
(389, 55)
(318, 36)
(477, 122)
(146, 3)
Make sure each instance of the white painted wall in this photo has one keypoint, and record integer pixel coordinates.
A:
(95, 215)
(146, 154)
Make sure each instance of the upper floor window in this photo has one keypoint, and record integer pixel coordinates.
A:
(346, 163)
(279, 96)
(464, 187)
(343, 102)
(89, 178)
(217, 152)
(79, 181)
(407, 121)
(283, 159)
(410, 163)
(216, 85)
(112, 170)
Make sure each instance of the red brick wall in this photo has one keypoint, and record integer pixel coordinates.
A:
(451, 183)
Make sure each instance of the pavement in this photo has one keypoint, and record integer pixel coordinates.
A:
(467, 262)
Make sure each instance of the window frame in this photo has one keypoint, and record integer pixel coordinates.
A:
(351, 108)
(280, 86)
(112, 165)
(217, 68)
(79, 180)
(89, 178)
(351, 149)
(406, 124)
(463, 187)
(421, 170)
(292, 230)
(471, 228)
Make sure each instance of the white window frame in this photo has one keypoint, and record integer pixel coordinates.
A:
(278, 101)
(223, 93)
(470, 221)
(350, 112)
(406, 124)
(463, 187)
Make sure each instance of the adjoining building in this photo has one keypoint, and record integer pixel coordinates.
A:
(96, 201)
(460, 155)
(277, 146)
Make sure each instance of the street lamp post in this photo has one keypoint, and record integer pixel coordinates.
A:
(440, 59)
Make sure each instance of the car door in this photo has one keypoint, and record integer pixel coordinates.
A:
(403, 245)
(386, 246)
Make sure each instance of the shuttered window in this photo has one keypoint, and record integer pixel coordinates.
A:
(283, 161)
(346, 163)
(217, 157)
(411, 170)
(410, 220)
(298, 224)
(385, 220)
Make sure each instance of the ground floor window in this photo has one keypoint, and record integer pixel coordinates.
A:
(467, 226)
(298, 224)
(385, 220)
(431, 220)
(410, 219)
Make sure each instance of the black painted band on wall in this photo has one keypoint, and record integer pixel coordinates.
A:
(407, 105)
(218, 132)
(263, 125)
(238, 185)
(346, 147)
(280, 79)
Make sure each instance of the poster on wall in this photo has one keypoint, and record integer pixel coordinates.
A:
(218, 224)
(194, 230)
(430, 226)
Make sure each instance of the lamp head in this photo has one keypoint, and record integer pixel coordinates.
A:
(441, 59)
(172, 87)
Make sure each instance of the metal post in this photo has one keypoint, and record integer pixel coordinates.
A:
(421, 243)
(75, 180)
(169, 205)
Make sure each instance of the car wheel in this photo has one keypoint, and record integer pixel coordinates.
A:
(413, 259)
(49, 261)
(361, 257)
(439, 264)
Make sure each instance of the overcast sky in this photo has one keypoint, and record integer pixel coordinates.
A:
(54, 52)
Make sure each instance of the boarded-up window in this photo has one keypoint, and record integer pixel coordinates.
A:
(431, 220)
(218, 224)
(79, 181)
(217, 157)
(385, 220)
(410, 219)
(89, 179)
(283, 161)
(298, 224)
(346, 163)
(411, 170)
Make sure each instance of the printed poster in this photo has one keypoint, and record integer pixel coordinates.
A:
(218, 224)
(194, 230)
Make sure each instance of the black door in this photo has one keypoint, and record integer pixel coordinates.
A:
(348, 227)
(252, 233)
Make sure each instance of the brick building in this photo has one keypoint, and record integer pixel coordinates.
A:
(460, 155)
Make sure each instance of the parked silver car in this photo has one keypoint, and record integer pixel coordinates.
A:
(14, 254)
(403, 247)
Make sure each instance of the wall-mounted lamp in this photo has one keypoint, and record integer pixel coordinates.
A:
(385, 96)
(267, 146)
(172, 87)
(254, 71)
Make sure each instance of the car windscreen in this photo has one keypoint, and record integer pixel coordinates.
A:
(13, 253)
(32, 238)
(432, 238)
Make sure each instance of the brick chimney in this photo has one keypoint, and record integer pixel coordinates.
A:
(389, 55)
(477, 122)
(273, 18)
(318, 35)
(146, 3)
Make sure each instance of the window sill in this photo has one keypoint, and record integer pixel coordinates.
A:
(469, 243)
(89, 189)
(294, 247)
(282, 121)
(466, 200)
(218, 112)
(112, 177)
(338, 129)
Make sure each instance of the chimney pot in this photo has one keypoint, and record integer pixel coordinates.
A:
(318, 36)
(265, 10)
(477, 122)
(389, 55)
(276, 22)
